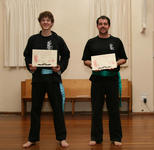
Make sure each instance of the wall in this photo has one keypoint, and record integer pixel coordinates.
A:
(71, 22)
(142, 57)
(73, 27)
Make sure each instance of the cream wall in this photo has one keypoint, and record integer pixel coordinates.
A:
(72, 22)
(142, 57)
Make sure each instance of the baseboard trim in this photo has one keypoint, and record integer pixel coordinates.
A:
(14, 113)
(82, 112)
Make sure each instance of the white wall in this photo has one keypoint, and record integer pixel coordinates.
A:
(142, 61)
(72, 22)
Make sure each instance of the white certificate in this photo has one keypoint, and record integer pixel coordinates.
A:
(101, 62)
(44, 58)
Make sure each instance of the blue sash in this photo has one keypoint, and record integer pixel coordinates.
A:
(63, 95)
(46, 71)
(49, 71)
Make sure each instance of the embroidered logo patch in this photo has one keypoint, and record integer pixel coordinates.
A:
(111, 46)
(49, 45)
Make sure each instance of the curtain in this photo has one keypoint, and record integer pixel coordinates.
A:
(20, 21)
(119, 13)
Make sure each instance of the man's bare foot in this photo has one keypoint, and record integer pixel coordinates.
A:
(28, 144)
(91, 143)
(63, 143)
(116, 143)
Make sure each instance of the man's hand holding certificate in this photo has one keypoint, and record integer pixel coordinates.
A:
(44, 58)
(102, 62)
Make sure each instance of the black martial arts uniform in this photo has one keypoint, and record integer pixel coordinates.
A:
(105, 82)
(45, 80)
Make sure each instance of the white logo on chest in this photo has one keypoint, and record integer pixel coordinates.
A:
(49, 45)
(111, 46)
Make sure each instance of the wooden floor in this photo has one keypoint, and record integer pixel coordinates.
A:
(138, 133)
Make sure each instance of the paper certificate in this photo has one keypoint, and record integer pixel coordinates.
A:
(44, 58)
(101, 62)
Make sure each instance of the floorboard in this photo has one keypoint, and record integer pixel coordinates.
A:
(138, 132)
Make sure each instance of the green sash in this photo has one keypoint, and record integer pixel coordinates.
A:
(106, 73)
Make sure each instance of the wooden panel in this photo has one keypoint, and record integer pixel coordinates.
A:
(28, 88)
(77, 87)
(125, 87)
(23, 92)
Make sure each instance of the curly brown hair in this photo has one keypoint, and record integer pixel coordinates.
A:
(46, 14)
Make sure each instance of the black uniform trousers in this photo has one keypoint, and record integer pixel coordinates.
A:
(55, 98)
(106, 86)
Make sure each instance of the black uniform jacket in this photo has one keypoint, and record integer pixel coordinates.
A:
(38, 41)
